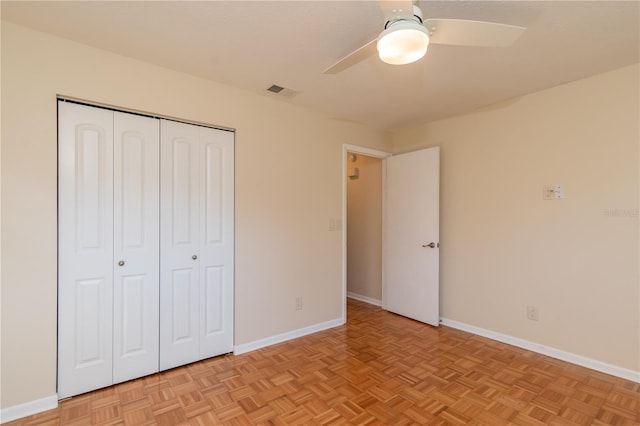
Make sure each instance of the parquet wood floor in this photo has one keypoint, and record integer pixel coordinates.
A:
(379, 369)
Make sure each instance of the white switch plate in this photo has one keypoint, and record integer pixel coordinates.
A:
(532, 313)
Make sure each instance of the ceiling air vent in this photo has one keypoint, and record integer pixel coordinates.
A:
(275, 88)
(282, 91)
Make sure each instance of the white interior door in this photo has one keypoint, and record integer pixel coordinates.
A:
(85, 247)
(136, 249)
(411, 235)
(179, 244)
(216, 241)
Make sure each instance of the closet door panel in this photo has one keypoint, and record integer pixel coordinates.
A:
(216, 240)
(182, 290)
(212, 300)
(179, 256)
(136, 246)
(85, 247)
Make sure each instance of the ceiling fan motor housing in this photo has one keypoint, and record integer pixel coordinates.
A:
(417, 17)
(404, 40)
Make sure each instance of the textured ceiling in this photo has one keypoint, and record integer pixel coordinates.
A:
(253, 44)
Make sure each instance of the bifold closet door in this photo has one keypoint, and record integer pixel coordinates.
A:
(216, 241)
(85, 249)
(125, 308)
(196, 277)
(108, 215)
(136, 248)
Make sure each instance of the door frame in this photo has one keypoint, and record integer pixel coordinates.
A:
(355, 149)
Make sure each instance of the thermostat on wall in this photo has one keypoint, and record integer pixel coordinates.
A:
(555, 192)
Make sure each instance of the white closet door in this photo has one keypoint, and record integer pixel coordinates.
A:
(179, 244)
(85, 246)
(136, 246)
(216, 242)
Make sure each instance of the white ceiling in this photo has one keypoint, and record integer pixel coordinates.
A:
(253, 44)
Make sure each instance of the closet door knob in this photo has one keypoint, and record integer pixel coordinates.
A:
(121, 263)
(194, 257)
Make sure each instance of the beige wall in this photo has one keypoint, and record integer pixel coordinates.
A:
(503, 247)
(283, 205)
(364, 228)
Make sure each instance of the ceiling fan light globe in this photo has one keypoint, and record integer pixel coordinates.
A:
(403, 43)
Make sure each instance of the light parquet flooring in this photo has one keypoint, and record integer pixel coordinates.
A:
(379, 369)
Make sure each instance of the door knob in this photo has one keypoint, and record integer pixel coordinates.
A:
(194, 257)
(432, 245)
(121, 263)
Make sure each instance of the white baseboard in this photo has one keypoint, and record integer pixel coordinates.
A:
(593, 364)
(28, 408)
(364, 299)
(279, 338)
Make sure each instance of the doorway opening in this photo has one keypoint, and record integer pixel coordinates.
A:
(362, 215)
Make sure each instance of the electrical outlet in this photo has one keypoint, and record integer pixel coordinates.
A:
(532, 313)
(298, 303)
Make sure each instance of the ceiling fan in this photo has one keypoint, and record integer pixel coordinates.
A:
(406, 35)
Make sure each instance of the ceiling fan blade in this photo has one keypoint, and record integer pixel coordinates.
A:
(353, 58)
(460, 32)
(396, 9)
